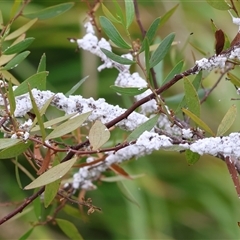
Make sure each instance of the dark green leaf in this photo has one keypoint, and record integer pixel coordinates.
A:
(50, 12)
(75, 87)
(117, 58)
(21, 30)
(191, 157)
(14, 150)
(68, 126)
(191, 97)
(198, 121)
(219, 4)
(176, 70)
(53, 174)
(227, 120)
(26, 235)
(129, 8)
(17, 174)
(98, 135)
(37, 80)
(69, 229)
(19, 46)
(147, 126)
(16, 61)
(161, 50)
(113, 33)
(131, 91)
(42, 64)
(147, 55)
(150, 34)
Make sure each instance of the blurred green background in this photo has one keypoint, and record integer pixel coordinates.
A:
(175, 201)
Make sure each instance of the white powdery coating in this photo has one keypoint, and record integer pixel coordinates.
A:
(187, 133)
(228, 146)
(211, 63)
(146, 144)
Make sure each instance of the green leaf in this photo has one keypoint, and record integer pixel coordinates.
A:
(51, 190)
(198, 121)
(72, 211)
(42, 64)
(117, 58)
(38, 115)
(11, 98)
(129, 8)
(191, 96)
(17, 174)
(131, 91)
(113, 33)
(14, 8)
(147, 56)
(227, 120)
(14, 150)
(68, 126)
(50, 12)
(53, 174)
(147, 126)
(69, 229)
(234, 79)
(161, 50)
(191, 157)
(167, 15)
(176, 70)
(75, 87)
(1, 21)
(219, 4)
(16, 61)
(9, 77)
(21, 30)
(150, 34)
(119, 12)
(37, 80)
(26, 235)
(19, 46)
(52, 122)
(109, 15)
(98, 135)
(8, 142)
(120, 178)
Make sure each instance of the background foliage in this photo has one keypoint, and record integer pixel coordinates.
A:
(173, 200)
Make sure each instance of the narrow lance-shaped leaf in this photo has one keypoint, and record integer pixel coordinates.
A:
(76, 87)
(219, 4)
(8, 142)
(227, 120)
(167, 15)
(68, 126)
(98, 135)
(198, 121)
(27, 234)
(14, 8)
(191, 157)
(17, 174)
(162, 50)
(53, 174)
(42, 64)
(51, 189)
(130, 91)
(16, 61)
(113, 33)
(150, 34)
(234, 79)
(14, 150)
(19, 46)
(147, 55)
(119, 12)
(191, 96)
(1, 20)
(69, 229)
(147, 126)
(108, 14)
(117, 58)
(11, 98)
(50, 12)
(37, 113)
(37, 80)
(129, 7)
